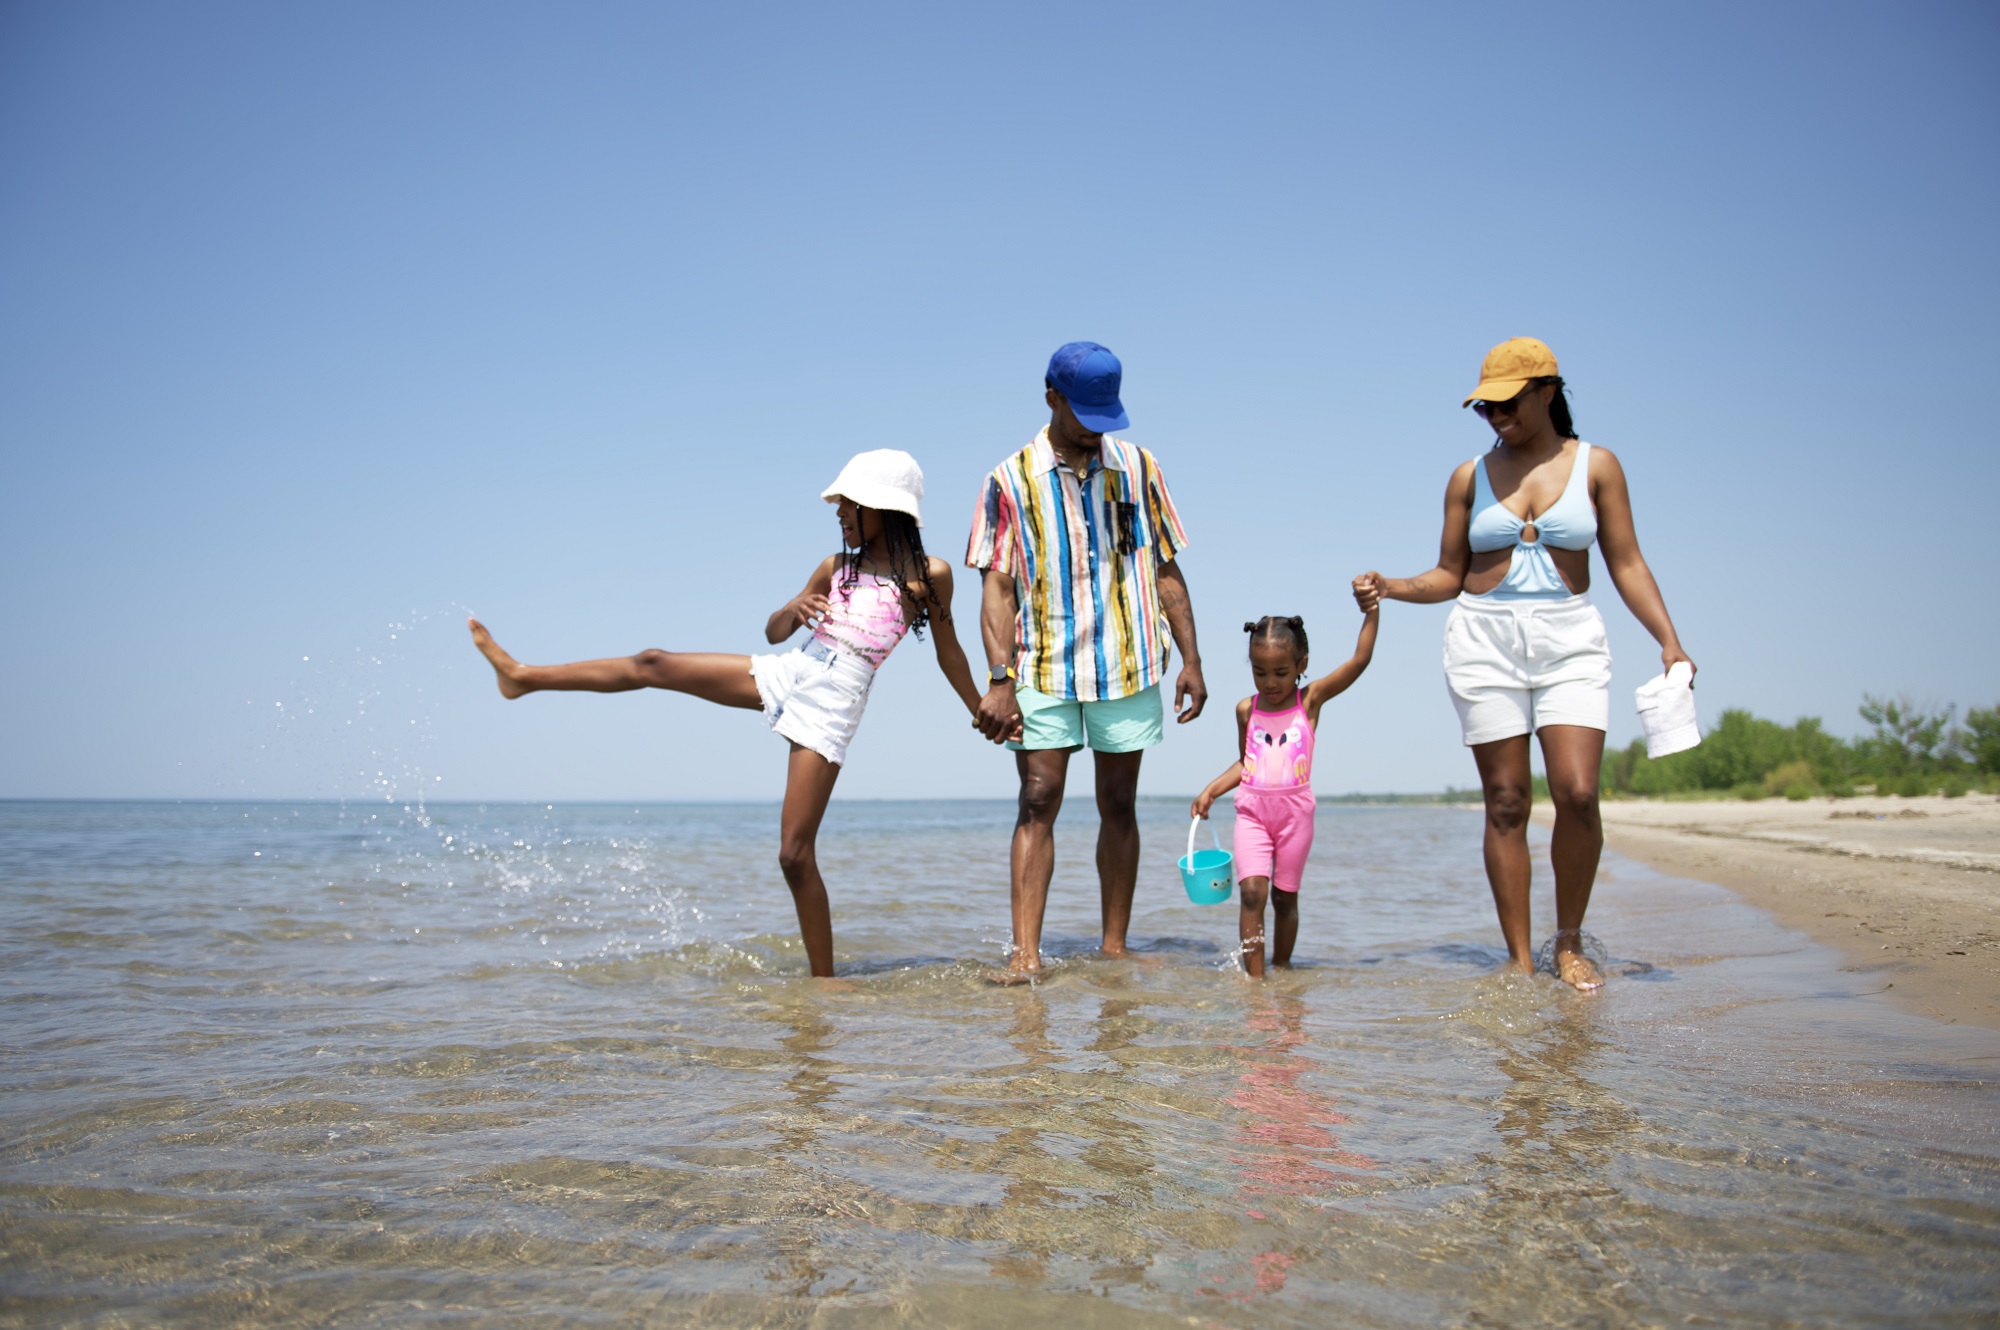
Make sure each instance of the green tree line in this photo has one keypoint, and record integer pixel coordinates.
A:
(1910, 750)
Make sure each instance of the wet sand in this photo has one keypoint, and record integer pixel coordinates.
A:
(1908, 889)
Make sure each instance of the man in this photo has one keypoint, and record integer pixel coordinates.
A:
(1076, 538)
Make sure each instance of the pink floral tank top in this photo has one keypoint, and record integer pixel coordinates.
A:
(864, 617)
(1278, 748)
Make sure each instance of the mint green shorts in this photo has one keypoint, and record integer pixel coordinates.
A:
(1121, 725)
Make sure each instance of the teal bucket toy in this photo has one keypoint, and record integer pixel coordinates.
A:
(1206, 873)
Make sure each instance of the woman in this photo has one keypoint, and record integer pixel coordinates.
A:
(1524, 649)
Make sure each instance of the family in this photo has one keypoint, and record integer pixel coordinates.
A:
(1082, 603)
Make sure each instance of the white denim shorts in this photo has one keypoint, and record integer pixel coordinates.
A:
(814, 696)
(1514, 666)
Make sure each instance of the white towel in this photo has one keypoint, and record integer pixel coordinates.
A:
(1666, 710)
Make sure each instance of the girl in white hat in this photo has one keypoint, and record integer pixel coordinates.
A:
(858, 604)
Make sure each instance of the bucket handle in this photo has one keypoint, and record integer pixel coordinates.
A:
(1195, 826)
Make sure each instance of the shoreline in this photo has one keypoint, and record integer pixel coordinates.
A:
(1906, 889)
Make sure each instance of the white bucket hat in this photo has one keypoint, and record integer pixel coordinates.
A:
(884, 478)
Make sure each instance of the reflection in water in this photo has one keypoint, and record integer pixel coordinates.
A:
(808, 1194)
(1284, 1151)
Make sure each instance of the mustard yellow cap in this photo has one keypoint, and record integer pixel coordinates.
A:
(1509, 366)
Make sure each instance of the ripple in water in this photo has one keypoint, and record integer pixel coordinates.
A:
(272, 1065)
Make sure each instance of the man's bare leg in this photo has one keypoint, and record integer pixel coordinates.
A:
(720, 677)
(1117, 844)
(1506, 782)
(1031, 860)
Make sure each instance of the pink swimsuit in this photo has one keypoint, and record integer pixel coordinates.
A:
(1274, 805)
(864, 617)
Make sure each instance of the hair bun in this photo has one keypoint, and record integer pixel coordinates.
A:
(1249, 627)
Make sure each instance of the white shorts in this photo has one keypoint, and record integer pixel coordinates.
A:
(1514, 666)
(814, 696)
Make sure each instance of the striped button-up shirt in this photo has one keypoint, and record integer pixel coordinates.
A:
(1085, 553)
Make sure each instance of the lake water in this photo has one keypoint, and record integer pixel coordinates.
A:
(531, 1065)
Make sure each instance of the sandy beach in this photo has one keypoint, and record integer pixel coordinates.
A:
(1908, 888)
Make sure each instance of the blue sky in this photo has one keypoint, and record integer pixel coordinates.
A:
(320, 325)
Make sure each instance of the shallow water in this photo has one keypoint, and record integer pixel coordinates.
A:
(323, 1065)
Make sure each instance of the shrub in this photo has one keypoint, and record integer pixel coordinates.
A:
(1981, 737)
(1796, 775)
(1912, 786)
(1954, 786)
(1750, 789)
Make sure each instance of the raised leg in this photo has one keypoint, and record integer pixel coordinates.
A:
(1285, 927)
(1506, 782)
(1574, 756)
(809, 780)
(1253, 891)
(1117, 844)
(1031, 861)
(721, 677)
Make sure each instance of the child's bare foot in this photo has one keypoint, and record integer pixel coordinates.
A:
(505, 666)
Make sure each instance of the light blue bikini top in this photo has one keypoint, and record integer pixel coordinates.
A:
(1569, 524)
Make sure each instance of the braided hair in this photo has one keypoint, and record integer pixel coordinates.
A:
(1558, 405)
(1279, 629)
(907, 561)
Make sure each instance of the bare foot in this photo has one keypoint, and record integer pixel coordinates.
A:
(1019, 970)
(1578, 971)
(504, 665)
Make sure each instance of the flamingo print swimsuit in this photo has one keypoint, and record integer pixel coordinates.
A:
(1274, 805)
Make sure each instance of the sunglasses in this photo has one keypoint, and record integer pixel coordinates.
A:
(1511, 406)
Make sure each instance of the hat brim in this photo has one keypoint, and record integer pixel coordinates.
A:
(1495, 390)
(1101, 419)
(884, 501)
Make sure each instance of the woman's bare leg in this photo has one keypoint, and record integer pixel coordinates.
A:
(1250, 924)
(1574, 755)
(809, 782)
(1284, 927)
(1508, 786)
(713, 676)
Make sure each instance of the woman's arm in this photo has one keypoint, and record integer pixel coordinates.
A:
(1622, 559)
(804, 607)
(1232, 775)
(1342, 677)
(944, 637)
(1454, 555)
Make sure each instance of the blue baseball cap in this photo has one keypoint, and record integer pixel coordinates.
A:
(1088, 375)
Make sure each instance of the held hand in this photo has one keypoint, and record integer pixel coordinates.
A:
(1190, 694)
(998, 717)
(1368, 591)
(805, 607)
(1202, 803)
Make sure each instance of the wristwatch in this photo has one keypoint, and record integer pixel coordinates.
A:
(999, 674)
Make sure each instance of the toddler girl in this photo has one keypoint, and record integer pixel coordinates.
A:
(1274, 807)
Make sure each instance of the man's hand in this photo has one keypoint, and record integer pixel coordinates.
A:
(1190, 693)
(999, 714)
